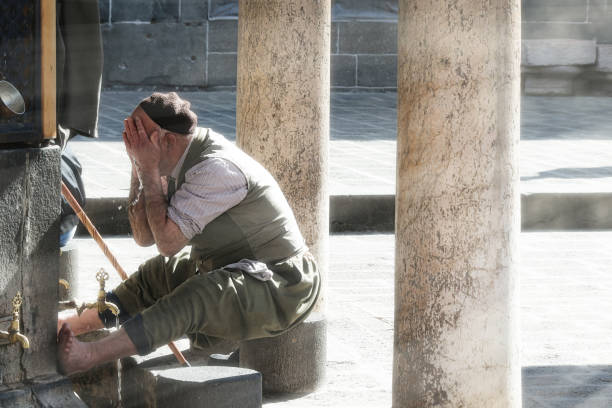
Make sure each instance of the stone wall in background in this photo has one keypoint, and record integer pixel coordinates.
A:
(567, 47)
(567, 44)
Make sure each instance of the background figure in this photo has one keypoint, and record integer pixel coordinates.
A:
(79, 68)
(71, 176)
(79, 78)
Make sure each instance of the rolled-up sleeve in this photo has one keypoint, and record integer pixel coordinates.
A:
(211, 188)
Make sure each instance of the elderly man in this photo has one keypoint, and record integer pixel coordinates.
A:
(248, 273)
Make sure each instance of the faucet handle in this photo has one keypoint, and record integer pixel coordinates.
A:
(64, 283)
(102, 277)
(17, 301)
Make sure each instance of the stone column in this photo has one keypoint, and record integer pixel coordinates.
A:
(282, 120)
(29, 256)
(457, 209)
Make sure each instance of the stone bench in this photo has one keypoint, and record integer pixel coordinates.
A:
(157, 380)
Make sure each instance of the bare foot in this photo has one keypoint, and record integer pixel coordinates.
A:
(73, 356)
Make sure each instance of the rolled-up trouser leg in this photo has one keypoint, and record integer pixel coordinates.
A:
(230, 304)
(154, 279)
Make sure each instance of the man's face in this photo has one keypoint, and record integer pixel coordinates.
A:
(147, 122)
(150, 127)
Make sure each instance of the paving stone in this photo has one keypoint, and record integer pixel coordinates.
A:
(223, 9)
(223, 36)
(559, 52)
(194, 10)
(377, 71)
(222, 69)
(343, 70)
(359, 37)
(175, 54)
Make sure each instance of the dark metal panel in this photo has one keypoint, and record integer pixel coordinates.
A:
(20, 65)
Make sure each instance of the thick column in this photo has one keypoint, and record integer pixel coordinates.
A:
(457, 208)
(29, 251)
(283, 119)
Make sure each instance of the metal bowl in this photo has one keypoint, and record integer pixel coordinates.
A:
(11, 101)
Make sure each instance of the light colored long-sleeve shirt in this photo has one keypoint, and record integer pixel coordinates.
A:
(211, 187)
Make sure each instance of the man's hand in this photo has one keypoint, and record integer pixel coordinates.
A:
(142, 148)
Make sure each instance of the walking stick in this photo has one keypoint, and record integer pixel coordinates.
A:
(106, 250)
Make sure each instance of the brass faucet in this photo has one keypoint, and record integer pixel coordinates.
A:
(13, 335)
(64, 283)
(101, 304)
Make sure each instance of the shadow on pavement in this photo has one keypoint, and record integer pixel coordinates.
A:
(567, 386)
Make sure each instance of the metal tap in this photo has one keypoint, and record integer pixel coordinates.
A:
(64, 283)
(101, 304)
(13, 335)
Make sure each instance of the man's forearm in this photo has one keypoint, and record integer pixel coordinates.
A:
(137, 213)
(155, 202)
(156, 207)
(166, 233)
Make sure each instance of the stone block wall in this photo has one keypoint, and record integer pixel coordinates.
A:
(193, 43)
(567, 47)
(567, 44)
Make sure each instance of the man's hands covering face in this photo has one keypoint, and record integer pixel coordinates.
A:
(143, 149)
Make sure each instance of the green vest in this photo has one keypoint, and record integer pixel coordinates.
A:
(261, 227)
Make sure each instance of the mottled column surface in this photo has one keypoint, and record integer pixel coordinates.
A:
(457, 209)
(282, 112)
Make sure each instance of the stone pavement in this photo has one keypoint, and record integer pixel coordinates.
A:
(566, 337)
(566, 142)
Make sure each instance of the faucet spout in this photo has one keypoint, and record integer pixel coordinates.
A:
(19, 338)
(110, 306)
(13, 334)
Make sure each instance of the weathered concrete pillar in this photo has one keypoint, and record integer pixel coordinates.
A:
(282, 120)
(457, 208)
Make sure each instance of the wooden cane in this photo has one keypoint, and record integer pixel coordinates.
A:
(107, 252)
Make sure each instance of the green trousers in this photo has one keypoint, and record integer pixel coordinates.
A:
(170, 297)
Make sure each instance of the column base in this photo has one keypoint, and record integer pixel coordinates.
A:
(69, 271)
(293, 362)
